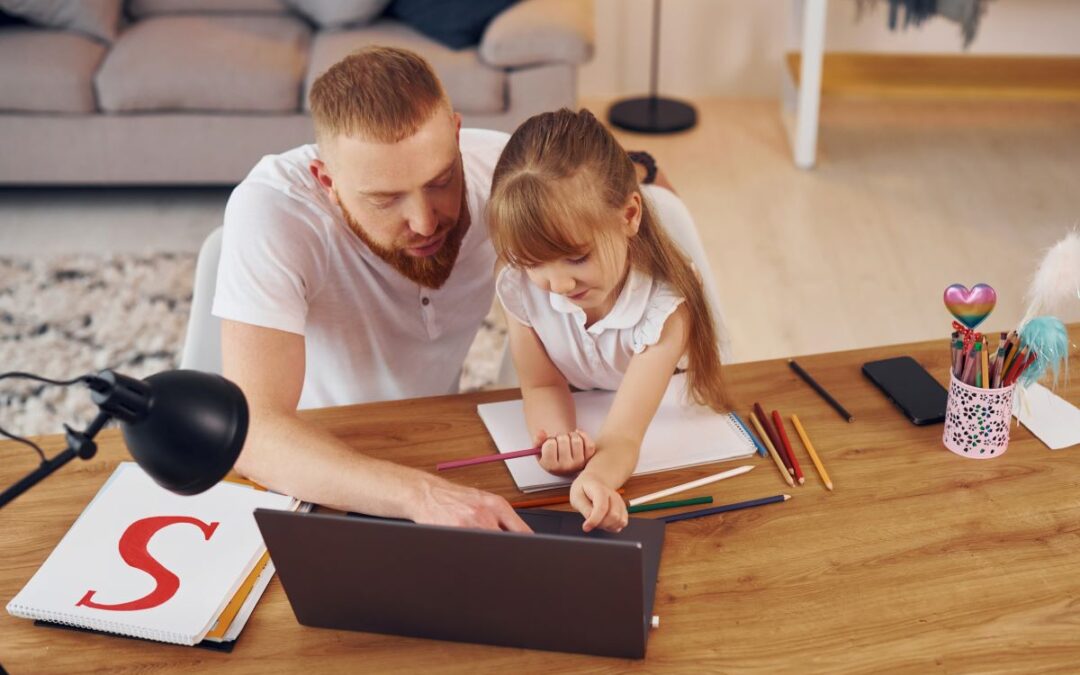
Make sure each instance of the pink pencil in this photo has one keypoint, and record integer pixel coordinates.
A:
(484, 459)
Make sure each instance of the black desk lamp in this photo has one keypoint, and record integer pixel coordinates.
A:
(653, 114)
(185, 428)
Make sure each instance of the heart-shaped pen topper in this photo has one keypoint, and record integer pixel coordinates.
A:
(970, 307)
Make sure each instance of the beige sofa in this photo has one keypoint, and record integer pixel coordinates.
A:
(195, 97)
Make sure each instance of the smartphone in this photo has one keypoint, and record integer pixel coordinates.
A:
(907, 384)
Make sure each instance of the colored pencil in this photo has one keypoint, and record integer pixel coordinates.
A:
(810, 451)
(725, 508)
(670, 505)
(484, 459)
(1019, 366)
(760, 447)
(821, 390)
(1010, 371)
(768, 427)
(547, 501)
(1010, 356)
(772, 450)
(969, 366)
(778, 422)
(691, 485)
(986, 366)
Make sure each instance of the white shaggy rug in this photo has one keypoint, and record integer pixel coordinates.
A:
(68, 316)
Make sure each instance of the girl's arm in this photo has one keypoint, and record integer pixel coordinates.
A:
(549, 408)
(619, 443)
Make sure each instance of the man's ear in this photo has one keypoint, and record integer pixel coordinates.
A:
(632, 213)
(322, 175)
(457, 126)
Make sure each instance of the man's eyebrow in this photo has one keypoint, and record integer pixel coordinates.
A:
(385, 194)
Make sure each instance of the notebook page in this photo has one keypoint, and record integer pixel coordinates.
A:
(680, 435)
(205, 572)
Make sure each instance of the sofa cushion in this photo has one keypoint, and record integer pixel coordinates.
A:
(472, 86)
(337, 13)
(47, 71)
(97, 18)
(207, 63)
(537, 32)
(143, 8)
(454, 24)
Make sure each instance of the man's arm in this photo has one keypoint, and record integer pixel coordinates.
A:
(292, 456)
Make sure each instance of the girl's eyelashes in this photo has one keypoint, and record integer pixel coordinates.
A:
(578, 260)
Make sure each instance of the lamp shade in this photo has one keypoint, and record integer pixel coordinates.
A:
(191, 432)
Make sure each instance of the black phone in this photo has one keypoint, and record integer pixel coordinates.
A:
(907, 384)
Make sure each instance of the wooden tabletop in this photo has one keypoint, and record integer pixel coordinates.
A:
(919, 561)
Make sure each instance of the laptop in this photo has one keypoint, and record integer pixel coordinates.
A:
(559, 589)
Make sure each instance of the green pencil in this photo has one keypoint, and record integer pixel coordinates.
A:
(670, 505)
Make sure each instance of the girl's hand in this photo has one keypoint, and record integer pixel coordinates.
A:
(601, 505)
(565, 453)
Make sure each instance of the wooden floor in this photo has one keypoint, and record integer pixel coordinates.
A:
(906, 199)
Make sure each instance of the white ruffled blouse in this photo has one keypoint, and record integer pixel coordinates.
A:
(595, 357)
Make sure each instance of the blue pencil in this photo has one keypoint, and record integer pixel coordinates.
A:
(726, 507)
(760, 448)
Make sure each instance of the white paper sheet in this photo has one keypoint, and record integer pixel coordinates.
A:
(1051, 418)
(680, 435)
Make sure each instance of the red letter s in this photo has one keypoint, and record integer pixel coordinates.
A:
(133, 545)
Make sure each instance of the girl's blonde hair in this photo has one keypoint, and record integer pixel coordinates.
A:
(554, 187)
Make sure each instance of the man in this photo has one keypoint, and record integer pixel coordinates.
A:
(360, 270)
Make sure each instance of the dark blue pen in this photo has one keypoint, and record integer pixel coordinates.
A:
(725, 508)
(760, 448)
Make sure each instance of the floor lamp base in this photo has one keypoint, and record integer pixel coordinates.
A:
(652, 115)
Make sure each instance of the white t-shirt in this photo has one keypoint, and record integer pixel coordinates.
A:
(595, 357)
(289, 261)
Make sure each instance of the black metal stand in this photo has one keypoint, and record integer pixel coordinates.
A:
(653, 114)
(80, 444)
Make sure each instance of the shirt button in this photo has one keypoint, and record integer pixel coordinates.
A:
(425, 301)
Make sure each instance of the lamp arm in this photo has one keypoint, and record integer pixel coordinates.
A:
(79, 444)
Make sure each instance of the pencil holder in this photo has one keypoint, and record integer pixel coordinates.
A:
(977, 421)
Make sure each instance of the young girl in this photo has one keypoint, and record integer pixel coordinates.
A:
(599, 297)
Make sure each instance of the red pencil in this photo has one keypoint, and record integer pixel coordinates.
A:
(787, 446)
(759, 413)
(1010, 372)
(1020, 371)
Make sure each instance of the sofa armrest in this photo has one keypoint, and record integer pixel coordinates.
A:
(539, 31)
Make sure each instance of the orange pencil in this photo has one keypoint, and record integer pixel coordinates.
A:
(986, 366)
(547, 501)
(778, 422)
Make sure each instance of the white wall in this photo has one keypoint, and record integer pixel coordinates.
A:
(735, 47)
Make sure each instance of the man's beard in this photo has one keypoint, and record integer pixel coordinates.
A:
(430, 271)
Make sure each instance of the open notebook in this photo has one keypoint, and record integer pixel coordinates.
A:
(144, 562)
(680, 435)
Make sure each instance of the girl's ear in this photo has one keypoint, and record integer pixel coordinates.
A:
(632, 213)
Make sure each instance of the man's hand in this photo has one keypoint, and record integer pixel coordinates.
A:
(601, 505)
(444, 503)
(564, 454)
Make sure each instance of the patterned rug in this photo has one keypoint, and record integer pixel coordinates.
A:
(68, 316)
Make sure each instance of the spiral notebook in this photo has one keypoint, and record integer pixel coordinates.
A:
(680, 435)
(144, 562)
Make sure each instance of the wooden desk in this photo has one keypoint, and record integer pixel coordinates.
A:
(919, 561)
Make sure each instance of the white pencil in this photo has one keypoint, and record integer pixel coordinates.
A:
(691, 485)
